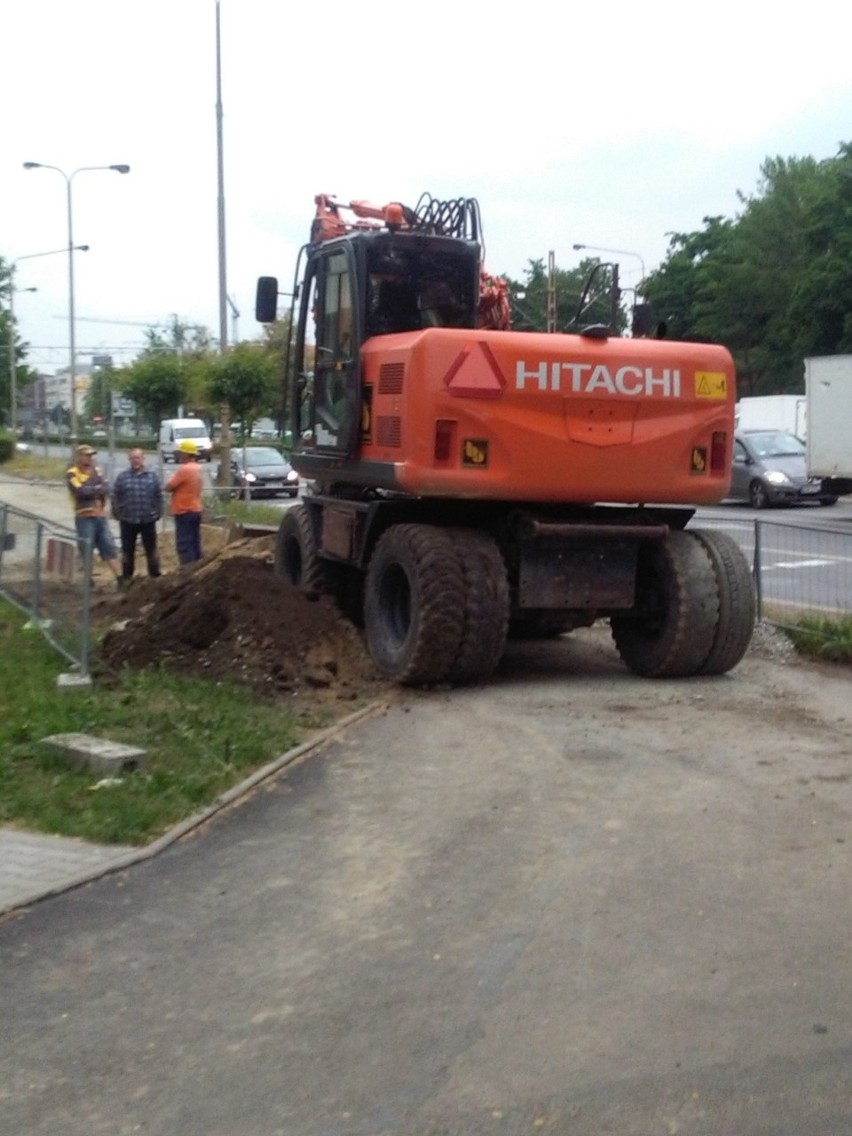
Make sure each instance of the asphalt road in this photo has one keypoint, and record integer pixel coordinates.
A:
(567, 901)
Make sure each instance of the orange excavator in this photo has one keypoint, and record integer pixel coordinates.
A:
(470, 482)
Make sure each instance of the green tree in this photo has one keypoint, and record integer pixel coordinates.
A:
(171, 372)
(771, 283)
(157, 383)
(244, 380)
(178, 337)
(529, 297)
(9, 343)
(98, 400)
(820, 312)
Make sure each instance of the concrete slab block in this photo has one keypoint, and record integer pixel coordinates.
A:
(97, 754)
(71, 681)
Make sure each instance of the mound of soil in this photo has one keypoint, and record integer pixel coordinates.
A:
(230, 617)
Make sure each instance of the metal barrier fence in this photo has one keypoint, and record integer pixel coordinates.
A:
(46, 573)
(799, 570)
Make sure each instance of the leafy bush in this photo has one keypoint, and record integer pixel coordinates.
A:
(7, 448)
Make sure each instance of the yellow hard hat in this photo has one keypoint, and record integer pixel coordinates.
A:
(187, 446)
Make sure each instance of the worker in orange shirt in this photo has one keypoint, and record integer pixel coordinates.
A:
(185, 486)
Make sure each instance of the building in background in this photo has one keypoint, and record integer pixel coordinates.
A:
(47, 401)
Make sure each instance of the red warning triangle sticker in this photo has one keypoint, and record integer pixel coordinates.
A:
(475, 373)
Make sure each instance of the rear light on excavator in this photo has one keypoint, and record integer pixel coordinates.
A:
(445, 430)
(719, 453)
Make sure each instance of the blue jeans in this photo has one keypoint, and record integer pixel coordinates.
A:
(96, 532)
(188, 537)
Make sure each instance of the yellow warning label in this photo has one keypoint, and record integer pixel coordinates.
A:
(698, 461)
(475, 451)
(711, 384)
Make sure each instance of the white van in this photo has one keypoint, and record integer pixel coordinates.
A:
(174, 430)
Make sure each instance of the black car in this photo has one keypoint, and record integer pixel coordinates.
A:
(260, 471)
(770, 468)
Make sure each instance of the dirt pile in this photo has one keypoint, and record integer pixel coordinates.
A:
(230, 617)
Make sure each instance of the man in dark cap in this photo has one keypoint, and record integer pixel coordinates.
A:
(89, 495)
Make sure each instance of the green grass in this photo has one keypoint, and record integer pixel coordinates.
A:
(36, 465)
(202, 737)
(826, 639)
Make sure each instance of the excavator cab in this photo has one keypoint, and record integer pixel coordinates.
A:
(326, 395)
(356, 288)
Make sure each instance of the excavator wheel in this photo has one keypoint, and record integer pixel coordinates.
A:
(296, 559)
(414, 604)
(486, 606)
(672, 630)
(736, 601)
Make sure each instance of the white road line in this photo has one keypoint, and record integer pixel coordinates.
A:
(802, 563)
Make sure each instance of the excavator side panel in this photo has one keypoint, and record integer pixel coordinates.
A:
(523, 416)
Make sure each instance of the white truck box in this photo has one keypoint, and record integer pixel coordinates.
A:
(774, 412)
(828, 388)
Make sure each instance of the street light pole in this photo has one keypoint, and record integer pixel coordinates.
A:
(618, 252)
(220, 200)
(13, 361)
(69, 178)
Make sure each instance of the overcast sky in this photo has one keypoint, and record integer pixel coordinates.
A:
(611, 125)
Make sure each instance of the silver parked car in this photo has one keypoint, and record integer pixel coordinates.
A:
(261, 471)
(770, 468)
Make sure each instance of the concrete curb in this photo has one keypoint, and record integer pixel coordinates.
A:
(149, 851)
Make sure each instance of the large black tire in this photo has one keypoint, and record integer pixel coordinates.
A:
(486, 606)
(736, 602)
(414, 600)
(672, 631)
(296, 559)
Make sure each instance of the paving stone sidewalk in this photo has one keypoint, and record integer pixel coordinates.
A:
(33, 866)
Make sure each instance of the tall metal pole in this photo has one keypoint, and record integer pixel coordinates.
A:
(224, 411)
(121, 169)
(223, 287)
(551, 292)
(72, 421)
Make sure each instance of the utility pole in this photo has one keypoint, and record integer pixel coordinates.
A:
(225, 411)
(551, 292)
(235, 316)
